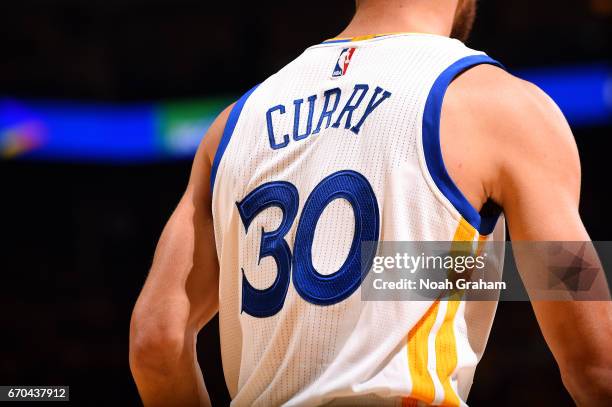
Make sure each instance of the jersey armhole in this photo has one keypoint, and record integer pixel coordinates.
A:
(484, 221)
(228, 130)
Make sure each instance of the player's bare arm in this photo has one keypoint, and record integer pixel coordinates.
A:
(180, 295)
(503, 139)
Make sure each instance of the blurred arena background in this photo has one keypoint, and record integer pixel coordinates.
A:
(101, 106)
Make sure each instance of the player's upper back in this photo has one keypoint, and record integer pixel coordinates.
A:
(370, 103)
(339, 147)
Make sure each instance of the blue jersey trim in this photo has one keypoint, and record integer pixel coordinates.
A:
(433, 152)
(230, 125)
(336, 41)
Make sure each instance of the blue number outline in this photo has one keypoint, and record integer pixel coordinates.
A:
(330, 289)
(285, 196)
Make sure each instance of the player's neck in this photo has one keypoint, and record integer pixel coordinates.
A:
(396, 16)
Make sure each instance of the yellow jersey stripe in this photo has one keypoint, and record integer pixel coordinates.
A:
(446, 353)
(445, 342)
(422, 383)
(446, 345)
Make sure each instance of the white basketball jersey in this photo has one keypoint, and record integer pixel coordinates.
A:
(339, 147)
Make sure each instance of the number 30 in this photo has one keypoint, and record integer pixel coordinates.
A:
(312, 286)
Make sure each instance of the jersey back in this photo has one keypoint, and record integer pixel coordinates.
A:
(341, 147)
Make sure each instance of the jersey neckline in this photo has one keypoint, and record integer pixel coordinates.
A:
(372, 36)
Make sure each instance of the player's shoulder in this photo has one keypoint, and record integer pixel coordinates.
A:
(212, 138)
(505, 103)
(508, 112)
(498, 124)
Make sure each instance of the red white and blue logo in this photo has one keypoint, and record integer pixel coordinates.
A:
(343, 62)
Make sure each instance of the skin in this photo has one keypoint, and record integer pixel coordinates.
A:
(523, 163)
(180, 295)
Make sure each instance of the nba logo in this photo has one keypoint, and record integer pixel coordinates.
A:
(343, 62)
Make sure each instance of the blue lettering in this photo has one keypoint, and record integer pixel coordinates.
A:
(372, 104)
(349, 108)
(296, 117)
(273, 143)
(325, 113)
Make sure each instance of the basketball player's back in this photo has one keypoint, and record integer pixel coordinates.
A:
(338, 148)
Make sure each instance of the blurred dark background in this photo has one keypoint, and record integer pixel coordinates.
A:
(79, 237)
